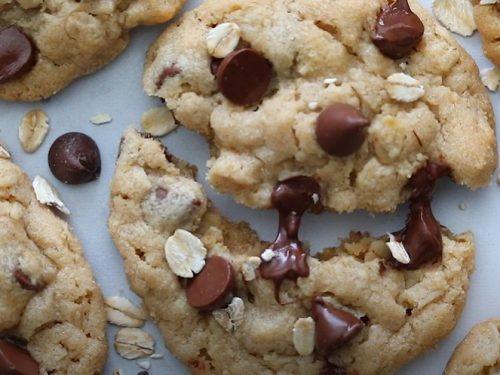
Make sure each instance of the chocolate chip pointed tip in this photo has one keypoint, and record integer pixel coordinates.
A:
(398, 30)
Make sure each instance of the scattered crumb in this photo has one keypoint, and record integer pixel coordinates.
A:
(146, 365)
(101, 118)
(462, 206)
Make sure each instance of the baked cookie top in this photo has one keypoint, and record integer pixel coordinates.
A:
(292, 61)
(479, 352)
(50, 303)
(160, 218)
(46, 44)
(488, 23)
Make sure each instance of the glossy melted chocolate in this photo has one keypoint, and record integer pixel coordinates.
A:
(422, 235)
(291, 198)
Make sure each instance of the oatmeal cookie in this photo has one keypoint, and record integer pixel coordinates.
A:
(46, 44)
(341, 91)
(479, 352)
(488, 23)
(52, 314)
(229, 303)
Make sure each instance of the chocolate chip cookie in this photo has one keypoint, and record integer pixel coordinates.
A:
(229, 303)
(44, 45)
(52, 314)
(356, 94)
(488, 23)
(479, 352)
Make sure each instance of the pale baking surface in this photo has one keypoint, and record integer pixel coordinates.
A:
(117, 90)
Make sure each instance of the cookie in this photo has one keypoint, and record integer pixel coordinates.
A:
(488, 23)
(479, 352)
(52, 314)
(228, 303)
(324, 88)
(45, 45)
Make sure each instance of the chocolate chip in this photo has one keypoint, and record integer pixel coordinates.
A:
(213, 288)
(16, 361)
(421, 237)
(398, 30)
(340, 129)
(17, 53)
(334, 327)
(161, 193)
(244, 76)
(74, 158)
(26, 282)
(291, 197)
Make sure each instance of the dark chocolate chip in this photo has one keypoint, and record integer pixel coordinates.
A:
(143, 373)
(291, 197)
(398, 30)
(214, 287)
(26, 282)
(244, 76)
(334, 327)
(17, 53)
(340, 129)
(74, 158)
(421, 237)
(16, 361)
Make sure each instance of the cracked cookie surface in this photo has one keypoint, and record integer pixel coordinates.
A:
(479, 352)
(73, 38)
(488, 23)
(48, 296)
(404, 312)
(322, 53)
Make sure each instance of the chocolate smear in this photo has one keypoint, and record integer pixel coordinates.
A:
(398, 30)
(291, 197)
(16, 361)
(334, 327)
(421, 237)
(26, 283)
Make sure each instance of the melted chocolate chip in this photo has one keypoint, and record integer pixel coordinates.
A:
(244, 76)
(331, 369)
(168, 72)
(214, 287)
(26, 282)
(398, 30)
(334, 327)
(340, 129)
(422, 235)
(17, 53)
(16, 361)
(74, 158)
(291, 198)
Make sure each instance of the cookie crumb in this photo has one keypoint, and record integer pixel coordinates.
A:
(232, 316)
(491, 78)
(101, 119)
(462, 206)
(456, 15)
(249, 267)
(33, 130)
(46, 194)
